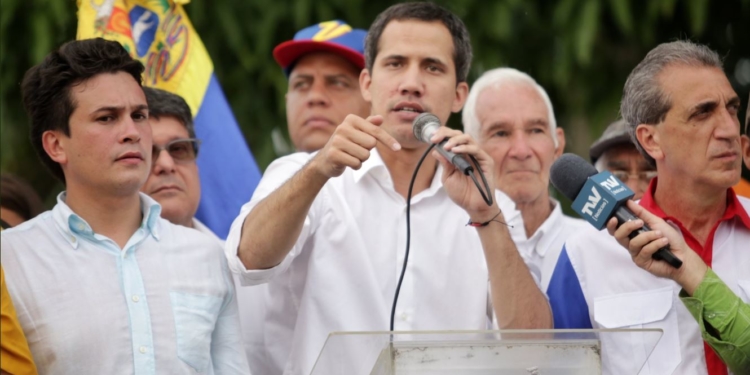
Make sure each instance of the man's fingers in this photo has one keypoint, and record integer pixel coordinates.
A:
(445, 132)
(612, 226)
(458, 140)
(626, 228)
(375, 119)
(650, 248)
(371, 127)
(344, 159)
(644, 239)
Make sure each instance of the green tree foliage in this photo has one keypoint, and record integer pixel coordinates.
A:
(581, 51)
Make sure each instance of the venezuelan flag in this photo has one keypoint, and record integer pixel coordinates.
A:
(160, 35)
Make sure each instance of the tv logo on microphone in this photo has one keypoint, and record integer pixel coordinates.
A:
(600, 197)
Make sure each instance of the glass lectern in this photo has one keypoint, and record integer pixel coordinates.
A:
(509, 352)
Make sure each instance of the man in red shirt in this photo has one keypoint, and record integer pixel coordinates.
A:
(682, 114)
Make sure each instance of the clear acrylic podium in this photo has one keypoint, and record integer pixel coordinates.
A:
(509, 352)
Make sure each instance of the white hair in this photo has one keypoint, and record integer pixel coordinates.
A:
(495, 78)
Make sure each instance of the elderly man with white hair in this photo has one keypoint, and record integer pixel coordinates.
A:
(511, 116)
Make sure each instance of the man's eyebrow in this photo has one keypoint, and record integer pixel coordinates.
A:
(537, 121)
(395, 57)
(300, 76)
(494, 126)
(338, 75)
(433, 60)
(108, 109)
(704, 106)
(734, 101)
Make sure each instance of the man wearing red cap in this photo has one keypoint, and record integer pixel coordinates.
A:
(323, 63)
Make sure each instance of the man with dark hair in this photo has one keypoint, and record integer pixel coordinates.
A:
(18, 200)
(322, 63)
(174, 181)
(102, 284)
(329, 229)
(682, 114)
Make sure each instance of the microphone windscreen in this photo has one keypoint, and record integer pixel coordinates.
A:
(420, 122)
(568, 174)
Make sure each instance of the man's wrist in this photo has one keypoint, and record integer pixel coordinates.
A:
(486, 214)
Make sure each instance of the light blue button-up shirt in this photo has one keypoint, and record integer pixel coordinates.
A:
(163, 304)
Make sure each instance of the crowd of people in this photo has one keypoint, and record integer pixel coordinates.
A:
(120, 277)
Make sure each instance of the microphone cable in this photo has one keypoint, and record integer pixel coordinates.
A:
(487, 195)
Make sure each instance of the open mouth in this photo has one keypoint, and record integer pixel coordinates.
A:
(408, 107)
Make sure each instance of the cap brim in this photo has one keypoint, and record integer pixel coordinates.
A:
(288, 52)
(598, 148)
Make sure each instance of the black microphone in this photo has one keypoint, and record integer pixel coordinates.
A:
(424, 127)
(597, 197)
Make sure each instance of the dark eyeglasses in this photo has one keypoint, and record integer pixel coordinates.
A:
(181, 150)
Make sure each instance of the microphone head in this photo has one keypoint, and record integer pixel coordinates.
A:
(569, 173)
(420, 122)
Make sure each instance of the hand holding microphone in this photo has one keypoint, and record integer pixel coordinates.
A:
(459, 176)
(643, 247)
(601, 197)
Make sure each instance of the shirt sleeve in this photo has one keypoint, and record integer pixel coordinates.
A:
(569, 307)
(15, 356)
(724, 320)
(276, 174)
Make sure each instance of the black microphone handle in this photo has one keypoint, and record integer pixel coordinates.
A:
(456, 160)
(623, 215)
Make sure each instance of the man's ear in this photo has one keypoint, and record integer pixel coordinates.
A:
(648, 137)
(54, 144)
(462, 92)
(364, 84)
(560, 134)
(745, 141)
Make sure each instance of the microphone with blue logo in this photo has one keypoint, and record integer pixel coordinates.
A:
(598, 196)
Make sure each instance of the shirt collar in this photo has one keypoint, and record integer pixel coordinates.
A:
(734, 206)
(545, 233)
(73, 227)
(374, 164)
(376, 167)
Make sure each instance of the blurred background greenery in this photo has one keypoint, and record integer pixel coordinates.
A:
(581, 51)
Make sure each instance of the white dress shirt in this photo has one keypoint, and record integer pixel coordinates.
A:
(164, 304)
(341, 274)
(618, 294)
(252, 310)
(543, 247)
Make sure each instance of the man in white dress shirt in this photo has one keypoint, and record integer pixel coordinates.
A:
(328, 229)
(511, 116)
(102, 284)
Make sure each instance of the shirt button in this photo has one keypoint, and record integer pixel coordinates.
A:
(72, 239)
(711, 315)
(142, 349)
(136, 299)
(404, 316)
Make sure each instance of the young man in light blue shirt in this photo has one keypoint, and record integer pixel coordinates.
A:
(102, 284)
